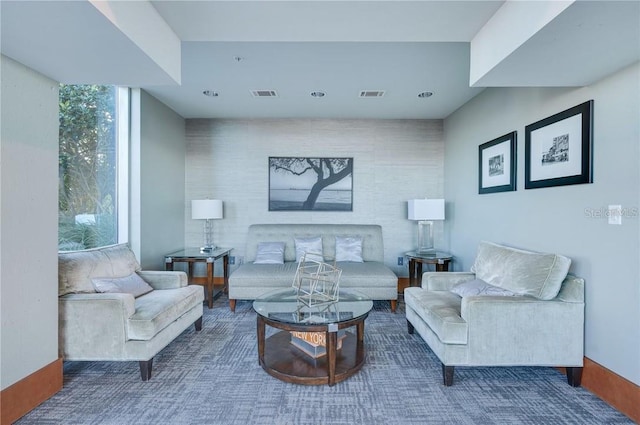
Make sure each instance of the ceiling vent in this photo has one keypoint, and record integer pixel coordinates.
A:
(264, 93)
(372, 93)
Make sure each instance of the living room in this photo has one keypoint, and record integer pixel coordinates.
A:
(395, 159)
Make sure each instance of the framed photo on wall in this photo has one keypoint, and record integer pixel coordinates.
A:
(310, 184)
(558, 149)
(497, 165)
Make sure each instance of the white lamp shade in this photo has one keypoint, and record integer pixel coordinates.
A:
(206, 209)
(426, 209)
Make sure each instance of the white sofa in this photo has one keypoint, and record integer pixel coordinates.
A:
(370, 277)
(531, 313)
(117, 325)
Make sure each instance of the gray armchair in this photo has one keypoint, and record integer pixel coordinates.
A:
(124, 322)
(524, 310)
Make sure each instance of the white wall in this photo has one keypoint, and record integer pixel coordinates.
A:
(158, 174)
(394, 160)
(556, 219)
(28, 222)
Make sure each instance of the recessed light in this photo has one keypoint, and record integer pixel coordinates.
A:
(318, 94)
(211, 93)
(425, 94)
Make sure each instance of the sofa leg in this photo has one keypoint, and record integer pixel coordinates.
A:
(394, 304)
(574, 376)
(145, 369)
(447, 374)
(198, 324)
(232, 305)
(410, 328)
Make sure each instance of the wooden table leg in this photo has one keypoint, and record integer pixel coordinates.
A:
(332, 343)
(225, 266)
(261, 334)
(360, 342)
(210, 283)
(412, 272)
(419, 273)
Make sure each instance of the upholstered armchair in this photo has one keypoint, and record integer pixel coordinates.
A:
(110, 310)
(514, 308)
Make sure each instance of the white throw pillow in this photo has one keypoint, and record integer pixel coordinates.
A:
(270, 253)
(479, 287)
(132, 284)
(312, 247)
(349, 248)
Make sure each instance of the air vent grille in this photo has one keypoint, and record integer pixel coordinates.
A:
(372, 93)
(264, 93)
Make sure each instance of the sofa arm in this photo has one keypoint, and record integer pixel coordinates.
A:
(524, 330)
(164, 279)
(441, 281)
(94, 324)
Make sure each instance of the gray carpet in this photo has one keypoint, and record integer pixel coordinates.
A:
(213, 377)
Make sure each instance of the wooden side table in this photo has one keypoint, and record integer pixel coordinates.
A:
(416, 259)
(194, 255)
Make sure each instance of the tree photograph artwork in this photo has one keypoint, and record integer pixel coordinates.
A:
(310, 184)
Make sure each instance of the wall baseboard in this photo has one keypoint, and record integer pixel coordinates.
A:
(20, 398)
(612, 388)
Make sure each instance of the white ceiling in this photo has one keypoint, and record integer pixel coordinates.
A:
(177, 49)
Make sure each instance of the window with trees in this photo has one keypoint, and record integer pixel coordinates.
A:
(90, 122)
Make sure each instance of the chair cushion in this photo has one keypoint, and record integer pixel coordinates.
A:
(523, 272)
(478, 287)
(441, 311)
(369, 274)
(158, 309)
(132, 284)
(77, 268)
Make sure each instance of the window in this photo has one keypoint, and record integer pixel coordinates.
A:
(91, 182)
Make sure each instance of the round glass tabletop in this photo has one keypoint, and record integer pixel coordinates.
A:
(283, 306)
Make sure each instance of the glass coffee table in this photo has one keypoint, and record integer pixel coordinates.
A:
(312, 346)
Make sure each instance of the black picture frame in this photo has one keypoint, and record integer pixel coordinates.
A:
(310, 184)
(497, 164)
(558, 149)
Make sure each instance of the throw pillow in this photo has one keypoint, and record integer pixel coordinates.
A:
(480, 287)
(312, 247)
(132, 284)
(270, 253)
(349, 248)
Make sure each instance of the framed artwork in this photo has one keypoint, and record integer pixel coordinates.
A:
(310, 184)
(497, 165)
(558, 149)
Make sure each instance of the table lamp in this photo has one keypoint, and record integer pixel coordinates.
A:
(207, 210)
(425, 211)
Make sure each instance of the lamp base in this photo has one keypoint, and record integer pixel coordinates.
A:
(207, 248)
(425, 237)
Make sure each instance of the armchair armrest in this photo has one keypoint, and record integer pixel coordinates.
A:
(524, 330)
(164, 279)
(93, 326)
(440, 281)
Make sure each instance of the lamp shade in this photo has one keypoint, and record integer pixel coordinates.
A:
(206, 209)
(426, 209)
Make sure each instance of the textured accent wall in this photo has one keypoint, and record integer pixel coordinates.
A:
(394, 160)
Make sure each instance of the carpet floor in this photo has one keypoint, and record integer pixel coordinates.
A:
(213, 377)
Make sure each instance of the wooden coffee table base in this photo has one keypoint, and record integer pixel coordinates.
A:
(280, 359)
